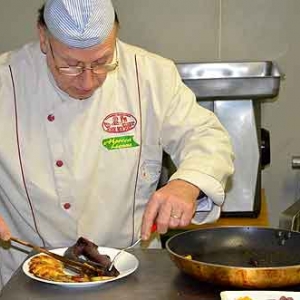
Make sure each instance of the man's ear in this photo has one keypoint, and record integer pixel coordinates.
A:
(43, 38)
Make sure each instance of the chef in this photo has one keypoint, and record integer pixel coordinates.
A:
(84, 120)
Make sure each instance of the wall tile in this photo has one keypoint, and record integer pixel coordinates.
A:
(254, 29)
(18, 23)
(185, 31)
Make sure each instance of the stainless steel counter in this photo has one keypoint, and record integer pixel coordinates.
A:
(156, 278)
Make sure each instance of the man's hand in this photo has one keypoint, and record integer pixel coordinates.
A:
(171, 206)
(4, 231)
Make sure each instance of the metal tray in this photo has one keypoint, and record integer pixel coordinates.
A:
(232, 80)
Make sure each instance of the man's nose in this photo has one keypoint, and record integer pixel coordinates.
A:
(87, 79)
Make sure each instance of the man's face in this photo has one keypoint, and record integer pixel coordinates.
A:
(59, 56)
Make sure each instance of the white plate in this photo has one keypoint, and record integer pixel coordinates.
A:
(125, 264)
(259, 295)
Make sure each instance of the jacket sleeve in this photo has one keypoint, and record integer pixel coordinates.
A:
(199, 146)
(4, 58)
(4, 61)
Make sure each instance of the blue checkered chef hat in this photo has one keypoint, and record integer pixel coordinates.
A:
(79, 23)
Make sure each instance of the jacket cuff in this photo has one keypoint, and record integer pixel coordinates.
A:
(207, 216)
(211, 187)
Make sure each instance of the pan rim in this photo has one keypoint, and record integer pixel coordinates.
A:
(215, 265)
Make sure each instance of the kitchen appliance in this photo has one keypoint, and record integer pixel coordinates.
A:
(234, 91)
(290, 217)
(244, 257)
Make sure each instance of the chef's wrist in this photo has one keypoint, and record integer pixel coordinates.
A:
(192, 186)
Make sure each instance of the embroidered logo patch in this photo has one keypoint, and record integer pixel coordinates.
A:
(119, 122)
(119, 142)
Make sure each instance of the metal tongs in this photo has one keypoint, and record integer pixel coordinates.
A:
(76, 266)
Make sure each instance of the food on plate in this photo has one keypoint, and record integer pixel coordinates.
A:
(85, 251)
(49, 268)
(281, 298)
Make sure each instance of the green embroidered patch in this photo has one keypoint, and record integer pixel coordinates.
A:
(119, 142)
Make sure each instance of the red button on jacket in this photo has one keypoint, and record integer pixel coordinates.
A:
(67, 205)
(51, 118)
(59, 163)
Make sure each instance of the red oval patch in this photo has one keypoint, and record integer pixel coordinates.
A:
(119, 122)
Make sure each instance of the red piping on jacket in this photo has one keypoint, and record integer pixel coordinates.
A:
(20, 157)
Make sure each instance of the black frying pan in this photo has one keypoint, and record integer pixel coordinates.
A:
(248, 257)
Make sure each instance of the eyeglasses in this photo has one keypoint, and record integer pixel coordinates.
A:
(99, 69)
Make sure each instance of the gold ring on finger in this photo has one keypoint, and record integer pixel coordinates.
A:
(175, 216)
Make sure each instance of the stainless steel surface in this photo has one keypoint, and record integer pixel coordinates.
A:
(239, 119)
(156, 278)
(231, 90)
(296, 162)
(290, 218)
(232, 80)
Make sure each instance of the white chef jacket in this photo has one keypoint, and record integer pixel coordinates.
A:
(72, 168)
